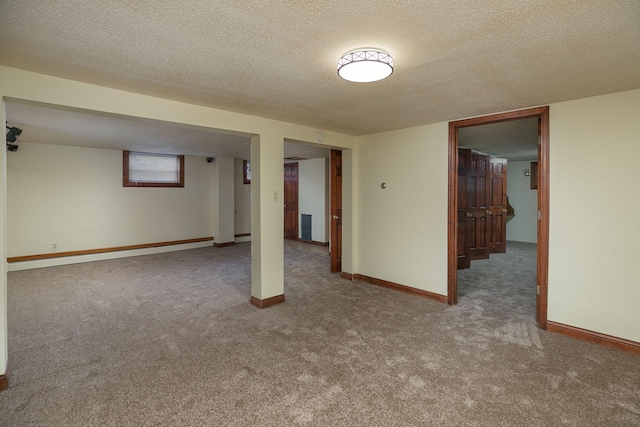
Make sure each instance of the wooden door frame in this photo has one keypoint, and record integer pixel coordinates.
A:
(542, 270)
(335, 208)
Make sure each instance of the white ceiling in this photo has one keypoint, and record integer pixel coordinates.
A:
(278, 59)
(47, 124)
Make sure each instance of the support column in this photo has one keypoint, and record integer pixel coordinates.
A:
(349, 263)
(267, 220)
(4, 333)
(224, 199)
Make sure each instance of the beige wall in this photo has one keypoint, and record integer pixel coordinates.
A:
(402, 230)
(74, 197)
(313, 187)
(349, 210)
(524, 226)
(594, 280)
(4, 332)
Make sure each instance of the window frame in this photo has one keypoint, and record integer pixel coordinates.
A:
(128, 183)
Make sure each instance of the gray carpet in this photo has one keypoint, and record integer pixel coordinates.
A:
(171, 339)
(499, 295)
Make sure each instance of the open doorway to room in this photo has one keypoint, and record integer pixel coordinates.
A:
(514, 273)
(306, 196)
(313, 199)
(291, 204)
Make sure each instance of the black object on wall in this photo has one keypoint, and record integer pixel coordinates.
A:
(13, 133)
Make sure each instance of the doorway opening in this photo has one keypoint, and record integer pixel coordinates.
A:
(455, 236)
(335, 248)
(313, 198)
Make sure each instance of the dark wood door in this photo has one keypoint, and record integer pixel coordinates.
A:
(498, 206)
(478, 200)
(464, 217)
(336, 210)
(291, 201)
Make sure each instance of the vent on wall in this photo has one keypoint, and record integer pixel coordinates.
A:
(306, 226)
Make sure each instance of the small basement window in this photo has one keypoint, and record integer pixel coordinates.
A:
(152, 170)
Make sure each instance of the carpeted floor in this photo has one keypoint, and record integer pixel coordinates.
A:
(171, 339)
(499, 294)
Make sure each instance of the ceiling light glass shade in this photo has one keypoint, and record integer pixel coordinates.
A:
(365, 65)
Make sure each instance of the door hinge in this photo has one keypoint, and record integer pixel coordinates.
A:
(538, 290)
(539, 215)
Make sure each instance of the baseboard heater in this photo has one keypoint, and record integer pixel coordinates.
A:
(305, 227)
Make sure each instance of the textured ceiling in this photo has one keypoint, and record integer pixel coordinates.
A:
(277, 59)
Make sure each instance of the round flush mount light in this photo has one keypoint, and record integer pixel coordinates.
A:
(365, 65)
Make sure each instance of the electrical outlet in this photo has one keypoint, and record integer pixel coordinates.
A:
(54, 247)
(276, 196)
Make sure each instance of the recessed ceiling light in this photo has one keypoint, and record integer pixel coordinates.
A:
(365, 65)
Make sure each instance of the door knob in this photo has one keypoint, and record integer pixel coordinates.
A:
(468, 215)
(488, 212)
(504, 210)
(335, 217)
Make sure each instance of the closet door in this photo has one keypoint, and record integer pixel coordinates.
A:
(478, 199)
(498, 206)
(464, 216)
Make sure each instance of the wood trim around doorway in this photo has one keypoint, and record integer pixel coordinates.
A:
(335, 210)
(543, 192)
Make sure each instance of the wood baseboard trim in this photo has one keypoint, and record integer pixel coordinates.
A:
(243, 235)
(595, 337)
(4, 382)
(224, 245)
(347, 276)
(105, 250)
(264, 303)
(402, 288)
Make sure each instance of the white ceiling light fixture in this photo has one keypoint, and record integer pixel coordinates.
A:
(365, 65)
